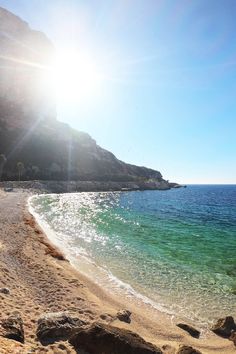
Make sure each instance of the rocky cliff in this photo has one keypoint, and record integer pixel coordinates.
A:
(29, 131)
(24, 54)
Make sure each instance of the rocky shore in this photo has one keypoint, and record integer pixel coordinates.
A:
(88, 186)
(49, 307)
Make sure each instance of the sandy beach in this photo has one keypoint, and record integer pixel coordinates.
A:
(41, 281)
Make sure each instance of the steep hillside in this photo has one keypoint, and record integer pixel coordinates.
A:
(29, 131)
(24, 54)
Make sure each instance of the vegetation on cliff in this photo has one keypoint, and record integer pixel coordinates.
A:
(35, 145)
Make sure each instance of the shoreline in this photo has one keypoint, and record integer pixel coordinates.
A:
(39, 186)
(156, 328)
(103, 278)
(83, 262)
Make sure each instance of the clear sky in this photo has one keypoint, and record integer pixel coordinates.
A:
(167, 99)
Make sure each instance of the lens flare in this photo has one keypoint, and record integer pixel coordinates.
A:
(72, 77)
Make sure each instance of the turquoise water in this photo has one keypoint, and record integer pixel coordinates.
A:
(176, 248)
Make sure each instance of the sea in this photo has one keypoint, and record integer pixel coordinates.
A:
(174, 250)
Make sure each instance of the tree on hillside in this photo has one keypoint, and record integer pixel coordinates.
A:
(35, 170)
(55, 168)
(20, 168)
(3, 160)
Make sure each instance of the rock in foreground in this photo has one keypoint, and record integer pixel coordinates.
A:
(191, 330)
(185, 349)
(57, 325)
(12, 328)
(233, 337)
(224, 327)
(124, 316)
(104, 339)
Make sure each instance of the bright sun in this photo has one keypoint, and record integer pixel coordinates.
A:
(73, 77)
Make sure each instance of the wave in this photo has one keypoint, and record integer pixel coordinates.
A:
(127, 245)
(103, 277)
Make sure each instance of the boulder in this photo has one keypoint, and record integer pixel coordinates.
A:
(224, 327)
(57, 325)
(185, 349)
(233, 337)
(12, 327)
(191, 330)
(4, 291)
(101, 338)
(124, 316)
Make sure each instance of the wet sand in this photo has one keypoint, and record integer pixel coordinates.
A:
(40, 281)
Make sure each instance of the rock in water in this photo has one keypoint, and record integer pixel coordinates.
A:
(57, 325)
(124, 316)
(191, 330)
(224, 327)
(185, 349)
(99, 338)
(12, 328)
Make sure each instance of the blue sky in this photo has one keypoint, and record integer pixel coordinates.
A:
(169, 98)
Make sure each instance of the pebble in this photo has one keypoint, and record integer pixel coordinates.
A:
(4, 291)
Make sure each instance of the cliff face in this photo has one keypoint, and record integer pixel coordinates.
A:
(29, 131)
(24, 54)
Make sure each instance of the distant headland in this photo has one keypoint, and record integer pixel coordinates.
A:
(33, 144)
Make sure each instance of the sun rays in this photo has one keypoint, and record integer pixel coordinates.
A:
(73, 77)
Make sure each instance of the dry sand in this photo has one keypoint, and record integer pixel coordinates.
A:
(39, 283)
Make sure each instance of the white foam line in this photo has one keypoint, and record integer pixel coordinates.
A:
(51, 235)
(131, 291)
(120, 285)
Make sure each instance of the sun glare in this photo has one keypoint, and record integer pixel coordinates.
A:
(73, 77)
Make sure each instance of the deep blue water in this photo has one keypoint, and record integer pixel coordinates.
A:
(176, 247)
